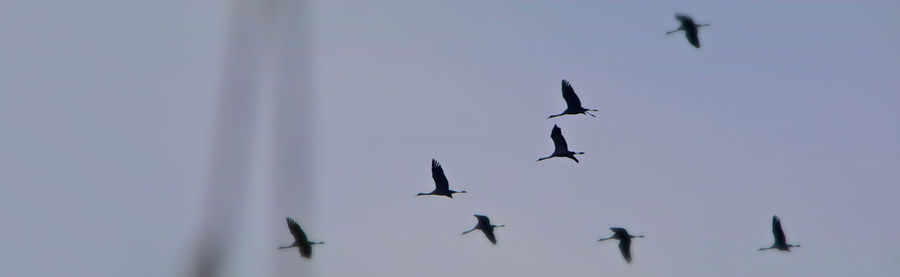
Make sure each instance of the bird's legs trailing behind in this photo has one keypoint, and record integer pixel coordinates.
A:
(466, 232)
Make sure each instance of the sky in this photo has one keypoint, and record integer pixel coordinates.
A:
(111, 115)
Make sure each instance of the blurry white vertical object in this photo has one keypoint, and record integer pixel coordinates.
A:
(261, 142)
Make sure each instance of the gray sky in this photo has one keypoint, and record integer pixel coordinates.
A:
(107, 110)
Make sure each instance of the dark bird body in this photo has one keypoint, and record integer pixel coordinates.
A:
(484, 224)
(441, 185)
(573, 104)
(690, 29)
(300, 240)
(561, 148)
(624, 241)
(780, 239)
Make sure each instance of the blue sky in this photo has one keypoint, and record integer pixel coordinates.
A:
(108, 115)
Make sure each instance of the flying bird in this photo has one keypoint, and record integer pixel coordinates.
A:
(441, 185)
(484, 223)
(572, 102)
(780, 239)
(689, 28)
(300, 240)
(624, 241)
(561, 149)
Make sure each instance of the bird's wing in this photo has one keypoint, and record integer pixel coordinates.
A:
(692, 36)
(483, 221)
(687, 21)
(777, 231)
(625, 247)
(299, 235)
(489, 233)
(437, 173)
(620, 231)
(569, 95)
(306, 250)
(559, 142)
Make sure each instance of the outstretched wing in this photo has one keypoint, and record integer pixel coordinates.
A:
(685, 20)
(489, 233)
(777, 231)
(692, 37)
(298, 233)
(625, 247)
(483, 221)
(620, 232)
(568, 94)
(559, 142)
(437, 173)
(300, 238)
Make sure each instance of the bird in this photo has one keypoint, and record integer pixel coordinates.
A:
(561, 149)
(484, 223)
(780, 239)
(441, 185)
(572, 102)
(300, 240)
(624, 241)
(689, 28)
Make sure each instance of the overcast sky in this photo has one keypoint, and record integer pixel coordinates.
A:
(108, 112)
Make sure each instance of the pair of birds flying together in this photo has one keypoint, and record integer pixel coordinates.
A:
(442, 188)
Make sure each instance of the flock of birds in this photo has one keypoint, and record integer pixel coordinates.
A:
(561, 149)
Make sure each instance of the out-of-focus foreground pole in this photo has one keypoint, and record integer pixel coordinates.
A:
(268, 42)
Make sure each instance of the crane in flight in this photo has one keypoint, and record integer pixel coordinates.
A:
(300, 240)
(780, 239)
(624, 241)
(441, 185)
(573, 104)
(561, 149)
(690, 29)
(484, 223)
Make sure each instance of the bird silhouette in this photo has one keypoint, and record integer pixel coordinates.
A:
(300, 239)
(441, 185)
(484, 223)
(689, 28)
(780, 239)
(624, 241)
(561, 149)
(572, 102)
